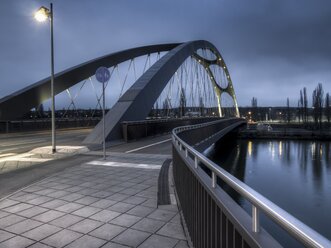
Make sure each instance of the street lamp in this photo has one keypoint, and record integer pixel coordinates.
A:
(42, 15)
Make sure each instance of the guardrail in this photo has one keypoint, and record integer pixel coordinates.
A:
(187, 161)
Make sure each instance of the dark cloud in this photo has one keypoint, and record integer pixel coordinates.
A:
(272, 48)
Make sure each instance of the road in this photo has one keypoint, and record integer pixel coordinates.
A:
(16, 143)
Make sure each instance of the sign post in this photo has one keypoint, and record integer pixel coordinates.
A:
(102, 75)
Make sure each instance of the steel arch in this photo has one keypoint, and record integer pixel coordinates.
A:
(136, 103)
(20, 102)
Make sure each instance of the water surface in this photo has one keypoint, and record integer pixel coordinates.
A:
(295, 175)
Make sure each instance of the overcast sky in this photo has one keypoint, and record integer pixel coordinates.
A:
(272, 48)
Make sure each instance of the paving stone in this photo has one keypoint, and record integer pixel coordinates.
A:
(39, 200)
(70, 207)
(148, 225)
(41, 232)
(105, 215)
(45, 192)
(74, 189)
(125, 220)
(5, 235)
(39, 245)
(17, 242)
(158, 241)
(162, 215)
(66, 220)
(172, 230)
(107, 231)
(10, 220)
(86, 242)
(130, 237)
(87, 192)
(32, 211)
(72, 197)
(121, 207)
(150, 203)
(23, 226)
(182, 244)
(48, 216)
(103, 203)
(176, 219)
(25, 197)
(87, 200)
(62, 238)
(17, 208)
(54, 204)
(86, 211)
(140, 211)
(102, 194)
(32, 188)
(136, 200)
(3, 214)
(117, 197)
(85, 226)
(114, 245)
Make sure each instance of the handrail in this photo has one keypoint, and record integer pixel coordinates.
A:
(295, 227)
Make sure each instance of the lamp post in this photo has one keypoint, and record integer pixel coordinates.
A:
(42, 15)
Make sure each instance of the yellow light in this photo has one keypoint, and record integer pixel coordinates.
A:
(42, 14)
(250, 148)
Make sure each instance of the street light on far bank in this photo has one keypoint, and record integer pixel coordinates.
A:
(43, 14)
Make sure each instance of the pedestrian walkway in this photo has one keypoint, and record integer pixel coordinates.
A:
(101, 203)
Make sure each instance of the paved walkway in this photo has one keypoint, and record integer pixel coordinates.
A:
(110, 203)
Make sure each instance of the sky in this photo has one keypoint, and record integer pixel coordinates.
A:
(272, 48)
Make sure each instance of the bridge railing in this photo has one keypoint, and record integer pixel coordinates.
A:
(213, 219)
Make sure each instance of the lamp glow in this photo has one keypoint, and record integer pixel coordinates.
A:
(42, 14)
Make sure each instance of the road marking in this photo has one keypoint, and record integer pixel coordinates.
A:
(128, 165)
(143, 147)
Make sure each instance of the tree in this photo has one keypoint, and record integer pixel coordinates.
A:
(318, 105)
(305, 105)
(300, 106)
(327, 107)
(288, 113)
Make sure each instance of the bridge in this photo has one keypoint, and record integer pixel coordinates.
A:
(185, 89)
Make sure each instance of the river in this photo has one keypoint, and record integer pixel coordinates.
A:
(294, 174)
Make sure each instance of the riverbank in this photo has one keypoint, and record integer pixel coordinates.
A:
(285, 133)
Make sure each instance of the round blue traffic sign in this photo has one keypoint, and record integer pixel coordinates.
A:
(102, 74)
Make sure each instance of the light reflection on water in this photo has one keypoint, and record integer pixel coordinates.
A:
(296, 175)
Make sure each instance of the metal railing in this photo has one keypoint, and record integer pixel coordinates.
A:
(297, 229)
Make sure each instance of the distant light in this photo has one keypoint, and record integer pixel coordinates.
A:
(224, 67)
(199, 61)
(42, 14)
(219, 59)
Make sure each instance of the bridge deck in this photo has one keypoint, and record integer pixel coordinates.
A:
(95, 203)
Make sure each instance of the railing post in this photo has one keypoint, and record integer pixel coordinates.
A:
(186, 152)
(196, 161)
(255, 219)
(213, 179)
